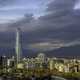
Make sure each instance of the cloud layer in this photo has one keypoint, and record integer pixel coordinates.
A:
(58, 22)
(17, 8)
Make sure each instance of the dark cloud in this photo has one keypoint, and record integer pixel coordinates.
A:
(61, 23)
(61, 12)
(61, 5)
(26, 23)
(6, 2)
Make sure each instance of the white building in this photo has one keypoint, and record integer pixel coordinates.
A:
(18, 45)
(42, 58)
(51, 64)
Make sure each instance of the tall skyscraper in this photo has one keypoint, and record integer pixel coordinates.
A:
(18, 45)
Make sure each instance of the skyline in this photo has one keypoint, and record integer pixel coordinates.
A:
(46, 24)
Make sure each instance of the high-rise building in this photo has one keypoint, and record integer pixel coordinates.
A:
(18, 45)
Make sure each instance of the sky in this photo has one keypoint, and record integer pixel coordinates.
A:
(15, 9)
(46, 24)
